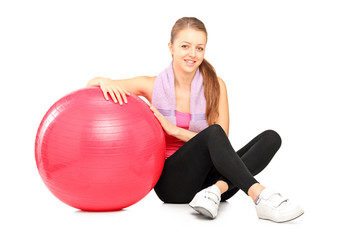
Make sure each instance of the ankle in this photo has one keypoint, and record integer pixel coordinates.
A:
(255, 190)
(223, 186)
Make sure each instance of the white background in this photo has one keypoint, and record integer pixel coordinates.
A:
(291, 66)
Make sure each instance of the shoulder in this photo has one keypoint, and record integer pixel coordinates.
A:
(152, 78)
(221, 82)
(145, 79)
(222, 85)
(223, 97)
(150, 81)
(145, 84)
(223, 119)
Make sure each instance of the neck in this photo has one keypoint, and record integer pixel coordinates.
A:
(183, 79)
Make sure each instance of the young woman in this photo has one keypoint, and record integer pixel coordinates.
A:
(190, 102)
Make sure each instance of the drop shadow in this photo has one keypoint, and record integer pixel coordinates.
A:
(184, 207)
(107, 213)
(291, 222)
(223, 206)
(175, 206)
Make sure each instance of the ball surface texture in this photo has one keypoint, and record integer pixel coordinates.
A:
(97, 155)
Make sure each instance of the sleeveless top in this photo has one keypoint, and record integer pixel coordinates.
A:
(173, 143)
(164, 100)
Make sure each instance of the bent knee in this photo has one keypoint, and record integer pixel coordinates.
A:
(215, 130)
(273, 137)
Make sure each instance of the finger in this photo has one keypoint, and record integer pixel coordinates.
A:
(105, 94)
(118, 96)
(113, 96)
(154, 109)
(157, 116)
(128, 93)
(150, 106)
(123, 94)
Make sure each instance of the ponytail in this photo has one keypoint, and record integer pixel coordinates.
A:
(211, 91)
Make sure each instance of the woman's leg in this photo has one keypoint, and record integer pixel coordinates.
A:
(209, 155)
(256, 155)
(269, 204)
(187, 171)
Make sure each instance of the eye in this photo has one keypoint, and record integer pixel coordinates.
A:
(200, 49)
(184, 46)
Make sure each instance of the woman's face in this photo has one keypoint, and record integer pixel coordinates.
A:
(188, 49)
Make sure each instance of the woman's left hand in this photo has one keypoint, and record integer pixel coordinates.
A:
(166, 125)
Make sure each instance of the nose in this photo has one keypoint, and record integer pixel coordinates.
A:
(192, 52)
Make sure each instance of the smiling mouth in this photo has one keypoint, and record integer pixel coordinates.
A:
(189, 62)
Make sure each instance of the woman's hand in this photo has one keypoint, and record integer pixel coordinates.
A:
(117, 93)
(166, 125)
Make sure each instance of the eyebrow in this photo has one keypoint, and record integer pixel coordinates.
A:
(191, 43)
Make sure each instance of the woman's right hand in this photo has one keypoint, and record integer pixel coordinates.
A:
(114, 89)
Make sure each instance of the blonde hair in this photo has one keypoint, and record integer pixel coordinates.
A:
(211, 82)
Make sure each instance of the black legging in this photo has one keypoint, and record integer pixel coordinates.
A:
(209, 157)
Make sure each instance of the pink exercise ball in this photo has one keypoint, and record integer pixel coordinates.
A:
(96, 155)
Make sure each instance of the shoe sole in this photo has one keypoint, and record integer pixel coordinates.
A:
(287, 220)
(203, 211)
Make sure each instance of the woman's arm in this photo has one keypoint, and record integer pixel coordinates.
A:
(223, 119)
(180, 133)
(117, 89)
(183, 134)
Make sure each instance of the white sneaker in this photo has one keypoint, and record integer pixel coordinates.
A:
(272, 206)
(207, 201)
